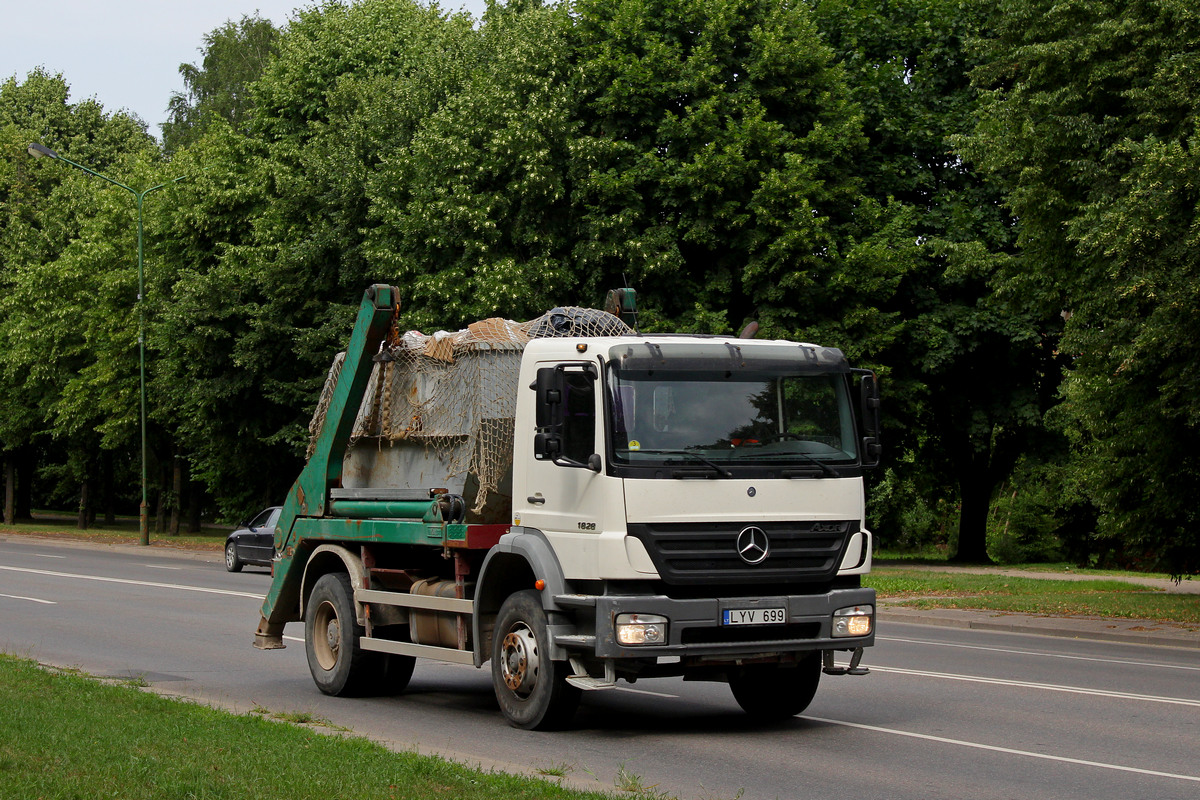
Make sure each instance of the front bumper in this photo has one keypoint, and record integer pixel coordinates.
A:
(695, 627)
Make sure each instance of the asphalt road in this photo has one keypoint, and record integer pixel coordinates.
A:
(945, 713)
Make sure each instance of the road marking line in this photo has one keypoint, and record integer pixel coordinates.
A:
(294, 639)
(23, 553)
(150, 584)
(158, 566)
(30, 599)
(1037, 653)
(1011, 751)
(1179, 701)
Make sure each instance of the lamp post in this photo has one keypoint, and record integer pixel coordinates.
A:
(38, 151)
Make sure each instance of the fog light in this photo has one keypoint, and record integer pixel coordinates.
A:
(853, 621)
(640, 629)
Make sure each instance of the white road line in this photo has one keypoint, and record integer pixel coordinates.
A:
(159, 566)
(30, 599)
(150, 584)
(23, 553)
(1038, 653)
(294, 639)
(1010, 751)
(1179, 701)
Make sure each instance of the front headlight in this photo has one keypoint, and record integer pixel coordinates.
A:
(640, 629)
(853, 621)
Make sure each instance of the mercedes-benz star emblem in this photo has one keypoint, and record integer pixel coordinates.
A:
(753, 545)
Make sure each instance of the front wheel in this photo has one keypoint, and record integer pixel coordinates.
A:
(774, 692)
(232, 562)
(531, 688)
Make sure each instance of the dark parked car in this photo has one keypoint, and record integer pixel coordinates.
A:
(254, 542)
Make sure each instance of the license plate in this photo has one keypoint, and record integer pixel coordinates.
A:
(754, 616)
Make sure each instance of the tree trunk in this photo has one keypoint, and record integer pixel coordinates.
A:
(195, 494)
(176, 492)
(26, 461)
(82, 520)
(10, 491)
(975, 489)
(164, 486)
(110, 503)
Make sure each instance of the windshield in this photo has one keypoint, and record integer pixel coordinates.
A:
(776, 414)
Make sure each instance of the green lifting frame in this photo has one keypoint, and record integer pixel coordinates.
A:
(306, 520)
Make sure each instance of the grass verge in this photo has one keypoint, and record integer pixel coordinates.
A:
(72, 736)
(1101, 597)
(123, 531)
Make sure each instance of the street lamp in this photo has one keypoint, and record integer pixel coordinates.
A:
(38, 151)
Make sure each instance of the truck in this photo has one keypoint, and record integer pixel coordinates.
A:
(576, 503)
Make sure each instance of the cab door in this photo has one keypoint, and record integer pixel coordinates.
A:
(565, 490)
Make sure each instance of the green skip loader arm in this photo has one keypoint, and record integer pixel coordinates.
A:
(309, 495)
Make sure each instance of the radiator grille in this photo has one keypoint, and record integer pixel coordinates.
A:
(797, 552)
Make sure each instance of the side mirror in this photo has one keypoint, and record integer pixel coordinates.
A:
(550, 389)
(869, 404)
(561, 392)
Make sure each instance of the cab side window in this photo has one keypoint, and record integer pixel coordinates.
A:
(579, 421)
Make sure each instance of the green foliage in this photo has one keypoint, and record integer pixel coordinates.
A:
(968, 373)
(68, 275)
(474, 211)
(235, 55)
(1090, 117)
(928, 184)
(713, 164)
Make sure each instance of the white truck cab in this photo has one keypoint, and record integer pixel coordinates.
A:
(579, 509)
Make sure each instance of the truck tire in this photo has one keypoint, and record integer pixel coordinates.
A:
(774, 692)
(532, 690)
(339, 666)
(232, 562)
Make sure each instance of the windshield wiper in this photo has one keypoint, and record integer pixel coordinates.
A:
(826, 470)
(724, 473)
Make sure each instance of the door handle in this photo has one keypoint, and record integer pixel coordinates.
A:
(536, 499)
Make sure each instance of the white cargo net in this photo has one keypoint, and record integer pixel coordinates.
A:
(455, 393)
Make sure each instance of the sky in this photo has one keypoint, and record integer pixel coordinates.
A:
(126, 53)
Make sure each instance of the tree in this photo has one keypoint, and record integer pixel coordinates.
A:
(1090, 118)
(69, 287)
(713, 165)
(267, 250)
(968, 373)
(474, 212)
(235, 55)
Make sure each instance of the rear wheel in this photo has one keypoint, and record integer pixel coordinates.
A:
(232, 562)
(531, 688)
(332, 635)
(772, 692)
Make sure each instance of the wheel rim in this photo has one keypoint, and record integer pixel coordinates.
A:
(326, 638)
(519, 660)
(230, 555)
